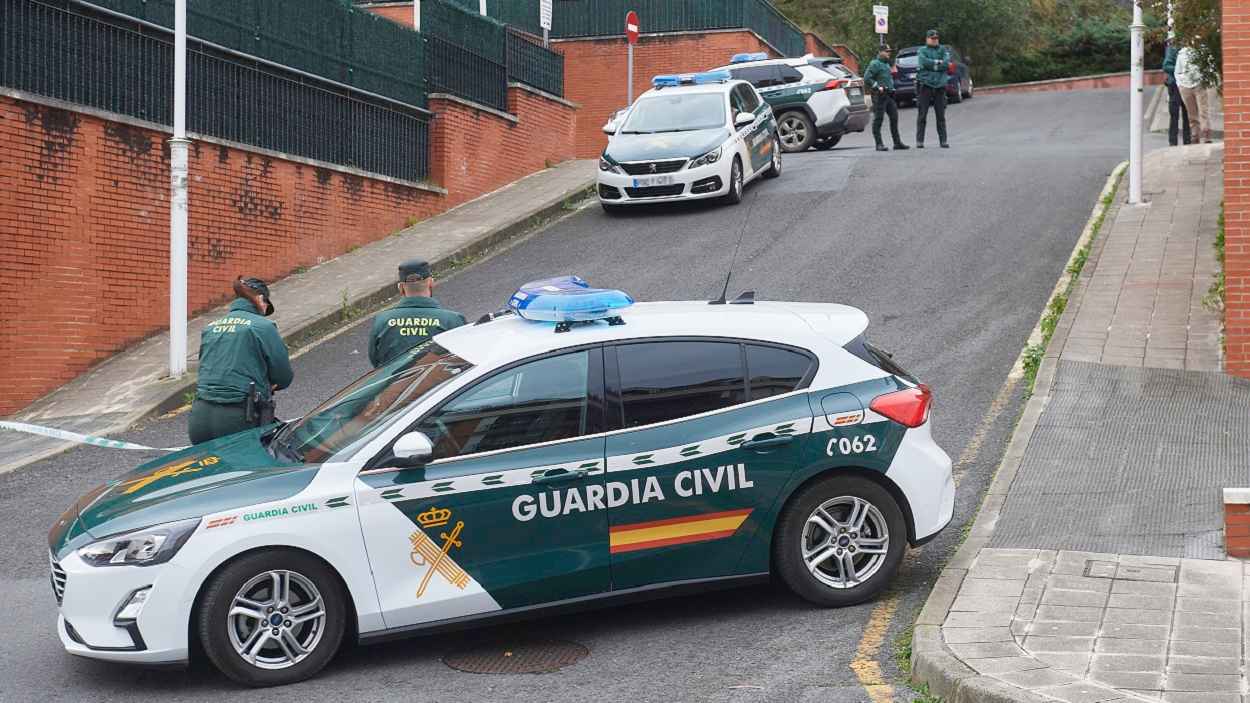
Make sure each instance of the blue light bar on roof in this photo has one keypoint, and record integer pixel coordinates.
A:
(673, 80)
(743, 58)
(567, 299)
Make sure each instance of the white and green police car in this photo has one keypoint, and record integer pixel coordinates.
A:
(692, 136)
(577, 451)
(816, 100)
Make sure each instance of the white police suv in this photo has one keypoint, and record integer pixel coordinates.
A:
(692, 136)
(576, 450)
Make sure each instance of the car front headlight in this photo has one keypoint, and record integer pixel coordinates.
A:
(709, 158)
(605, 165)
(146, 547)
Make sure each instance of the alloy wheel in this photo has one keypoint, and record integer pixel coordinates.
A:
(276, 619)
(845, 541)
(793, 131)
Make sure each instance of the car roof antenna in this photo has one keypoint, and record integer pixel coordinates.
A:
(734, 259)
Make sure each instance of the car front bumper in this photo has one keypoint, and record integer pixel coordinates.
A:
(922, 471)
(94, 595)
(708, 181)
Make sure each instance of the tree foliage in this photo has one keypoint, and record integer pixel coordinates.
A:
(1196, 24)
(1011, 40)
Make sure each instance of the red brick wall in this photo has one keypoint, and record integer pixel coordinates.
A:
(396, 13)
(594, 72)
(1119, 81)
(84, 221)
(816, 46)
(476, 151)
(1236, 37)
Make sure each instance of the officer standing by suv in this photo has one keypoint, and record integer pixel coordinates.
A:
(880, 80)
(934, 64)
(414, 319)
(243, 360)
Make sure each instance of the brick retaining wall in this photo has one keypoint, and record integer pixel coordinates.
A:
(1236, 39)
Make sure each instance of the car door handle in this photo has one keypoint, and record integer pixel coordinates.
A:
(768, 442)
(557, 475)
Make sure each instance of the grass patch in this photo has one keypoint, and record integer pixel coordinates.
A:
(902, 649)
(1033, 354)
(1214, 299)
(923, 694)
(188, 397)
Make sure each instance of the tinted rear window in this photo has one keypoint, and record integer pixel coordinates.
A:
(909, 61)
(773, 371)
(884, 360)
(758, 76)
(669, 380)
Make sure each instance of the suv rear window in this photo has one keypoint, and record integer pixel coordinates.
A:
(908, 61)
(884, 360)
(758, 76)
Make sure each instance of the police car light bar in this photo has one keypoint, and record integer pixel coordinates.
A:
(673, 80)
(743, 58)
(566, 300)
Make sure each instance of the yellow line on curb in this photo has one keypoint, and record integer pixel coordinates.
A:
(865, 665)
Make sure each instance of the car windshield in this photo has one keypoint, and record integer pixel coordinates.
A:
(676, 113)
(368, 404)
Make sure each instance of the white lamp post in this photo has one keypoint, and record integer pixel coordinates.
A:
(178, 201)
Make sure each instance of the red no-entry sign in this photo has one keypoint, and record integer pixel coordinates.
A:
(631, 27)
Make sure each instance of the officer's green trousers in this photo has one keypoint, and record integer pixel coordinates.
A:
(212, 420)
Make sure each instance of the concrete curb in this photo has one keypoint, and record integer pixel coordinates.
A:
(932, 664)
(300, 337)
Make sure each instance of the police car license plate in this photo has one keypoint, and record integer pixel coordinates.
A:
(653, 181)
(856, 92)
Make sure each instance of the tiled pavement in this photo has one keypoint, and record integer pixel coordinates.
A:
(1122, 448)
(1143, 304)
(1085, 627)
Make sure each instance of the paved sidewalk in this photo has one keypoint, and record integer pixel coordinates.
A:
(1078, 581)
(131, 385)
(1143, 303)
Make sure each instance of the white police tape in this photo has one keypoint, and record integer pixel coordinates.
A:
(80, 438)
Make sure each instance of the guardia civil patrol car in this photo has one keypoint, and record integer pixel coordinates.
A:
(816, 100)
(692, 136)
(575, 450)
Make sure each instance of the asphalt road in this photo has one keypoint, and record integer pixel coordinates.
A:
(952, 253)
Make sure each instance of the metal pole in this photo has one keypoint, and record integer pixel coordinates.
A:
(629, 79)
(178, 201)
(1135, 110)
(481, 7)
(546, 38)
(416, 15)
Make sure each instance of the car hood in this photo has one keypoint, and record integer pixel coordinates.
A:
(664, 145)
(230, 472)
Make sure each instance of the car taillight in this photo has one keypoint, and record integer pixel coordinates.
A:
(909, 407)
(835, 84)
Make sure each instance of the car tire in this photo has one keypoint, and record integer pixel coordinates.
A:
(969, 95)
(828, 142)
(800, 537)
(312, 591)
(736, 183)
(774, 168)
(957, 98)
(796, 131)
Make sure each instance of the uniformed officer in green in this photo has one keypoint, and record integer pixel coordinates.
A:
(240, 354)
(414, 319)
(880, 80)
(934, 65)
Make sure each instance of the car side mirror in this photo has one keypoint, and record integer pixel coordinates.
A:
(413, 450)
(743, 119)
(609, 128)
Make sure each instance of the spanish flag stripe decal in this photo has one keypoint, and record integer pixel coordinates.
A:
(660, 533)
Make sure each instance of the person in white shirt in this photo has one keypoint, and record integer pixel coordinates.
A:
(1193, 92)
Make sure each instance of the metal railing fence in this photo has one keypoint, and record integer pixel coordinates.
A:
(101, 63)
(327, 38)
(597, 18)
(534, 65)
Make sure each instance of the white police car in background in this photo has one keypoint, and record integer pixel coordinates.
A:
(692, 136)
(604, 451)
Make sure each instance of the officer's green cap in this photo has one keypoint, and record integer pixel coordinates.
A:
(931, 33)
(414, 270)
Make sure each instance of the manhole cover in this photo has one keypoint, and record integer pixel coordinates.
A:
(527, 657)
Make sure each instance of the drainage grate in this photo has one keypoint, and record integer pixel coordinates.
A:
(524, 657)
